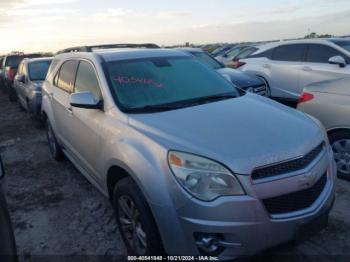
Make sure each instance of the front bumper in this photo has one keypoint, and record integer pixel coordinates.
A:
(242, 223)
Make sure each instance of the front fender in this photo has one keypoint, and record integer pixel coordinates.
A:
(143, 163)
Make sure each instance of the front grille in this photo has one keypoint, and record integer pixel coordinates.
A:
(287, 167)
(297, 200)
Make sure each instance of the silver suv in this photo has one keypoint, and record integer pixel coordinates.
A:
(28, 81)
(190, 166)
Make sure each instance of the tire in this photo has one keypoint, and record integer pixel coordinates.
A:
(338, 141)
(55, 148)
(127, 195)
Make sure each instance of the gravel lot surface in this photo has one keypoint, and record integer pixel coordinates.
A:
(59, 216)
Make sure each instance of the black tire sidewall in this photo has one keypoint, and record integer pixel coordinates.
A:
(129, 188)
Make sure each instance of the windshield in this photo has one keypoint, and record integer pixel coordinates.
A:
(235, 51)
(207, 60)
(344, 44)
(246, 52)
(158, 81)
(38, 70)
(13, 61)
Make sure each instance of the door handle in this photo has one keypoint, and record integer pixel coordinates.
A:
(307, 68)
(266, 66)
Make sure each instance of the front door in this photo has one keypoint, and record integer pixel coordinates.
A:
(63, 87)
(316, 67)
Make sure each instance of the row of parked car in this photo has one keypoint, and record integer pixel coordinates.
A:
(193, 163)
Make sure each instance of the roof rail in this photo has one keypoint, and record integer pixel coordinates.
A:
(110, 46)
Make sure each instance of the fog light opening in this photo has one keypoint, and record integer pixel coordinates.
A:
(208, 244)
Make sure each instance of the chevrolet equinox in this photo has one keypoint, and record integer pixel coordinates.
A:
(191, 167)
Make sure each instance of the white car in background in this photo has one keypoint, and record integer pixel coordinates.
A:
(289, 66)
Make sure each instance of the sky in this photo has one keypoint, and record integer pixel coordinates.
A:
(50, 25)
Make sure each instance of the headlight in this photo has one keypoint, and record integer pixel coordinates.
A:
(202, 177)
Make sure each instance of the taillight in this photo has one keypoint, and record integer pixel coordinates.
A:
(237, 64)
(305, 97)
(12, 74)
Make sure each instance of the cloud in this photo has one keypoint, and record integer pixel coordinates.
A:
(172, 14)
(113, 15)
(41, 11)
(30, 3)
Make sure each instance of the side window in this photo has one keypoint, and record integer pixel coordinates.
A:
(289, 53)
(66, 76)
(267, 54)
(87, 81)
(321, 53)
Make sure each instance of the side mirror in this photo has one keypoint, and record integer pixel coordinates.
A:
(337, 60)
(225, 55)
(2, 170)
(20, 78)
(235, 59)
(85, 100)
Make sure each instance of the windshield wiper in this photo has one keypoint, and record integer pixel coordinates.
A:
(207, 99)
(154, 108)
(181, 104)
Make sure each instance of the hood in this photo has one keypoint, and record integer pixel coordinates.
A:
(240, 79)
(339, 86)
(243, 133)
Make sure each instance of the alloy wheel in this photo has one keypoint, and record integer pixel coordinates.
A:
(341, 150)
(131, 226)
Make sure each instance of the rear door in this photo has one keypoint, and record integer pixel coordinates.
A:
(284, 70)
(316, 67)
(60, 97)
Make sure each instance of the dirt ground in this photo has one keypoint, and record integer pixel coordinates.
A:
(59, 216)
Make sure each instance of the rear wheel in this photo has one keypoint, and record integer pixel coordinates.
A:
(135, 220)
(55, 148)
(340, 142)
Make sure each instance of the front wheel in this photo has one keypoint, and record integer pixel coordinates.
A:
(340, 142)
(135, 220)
